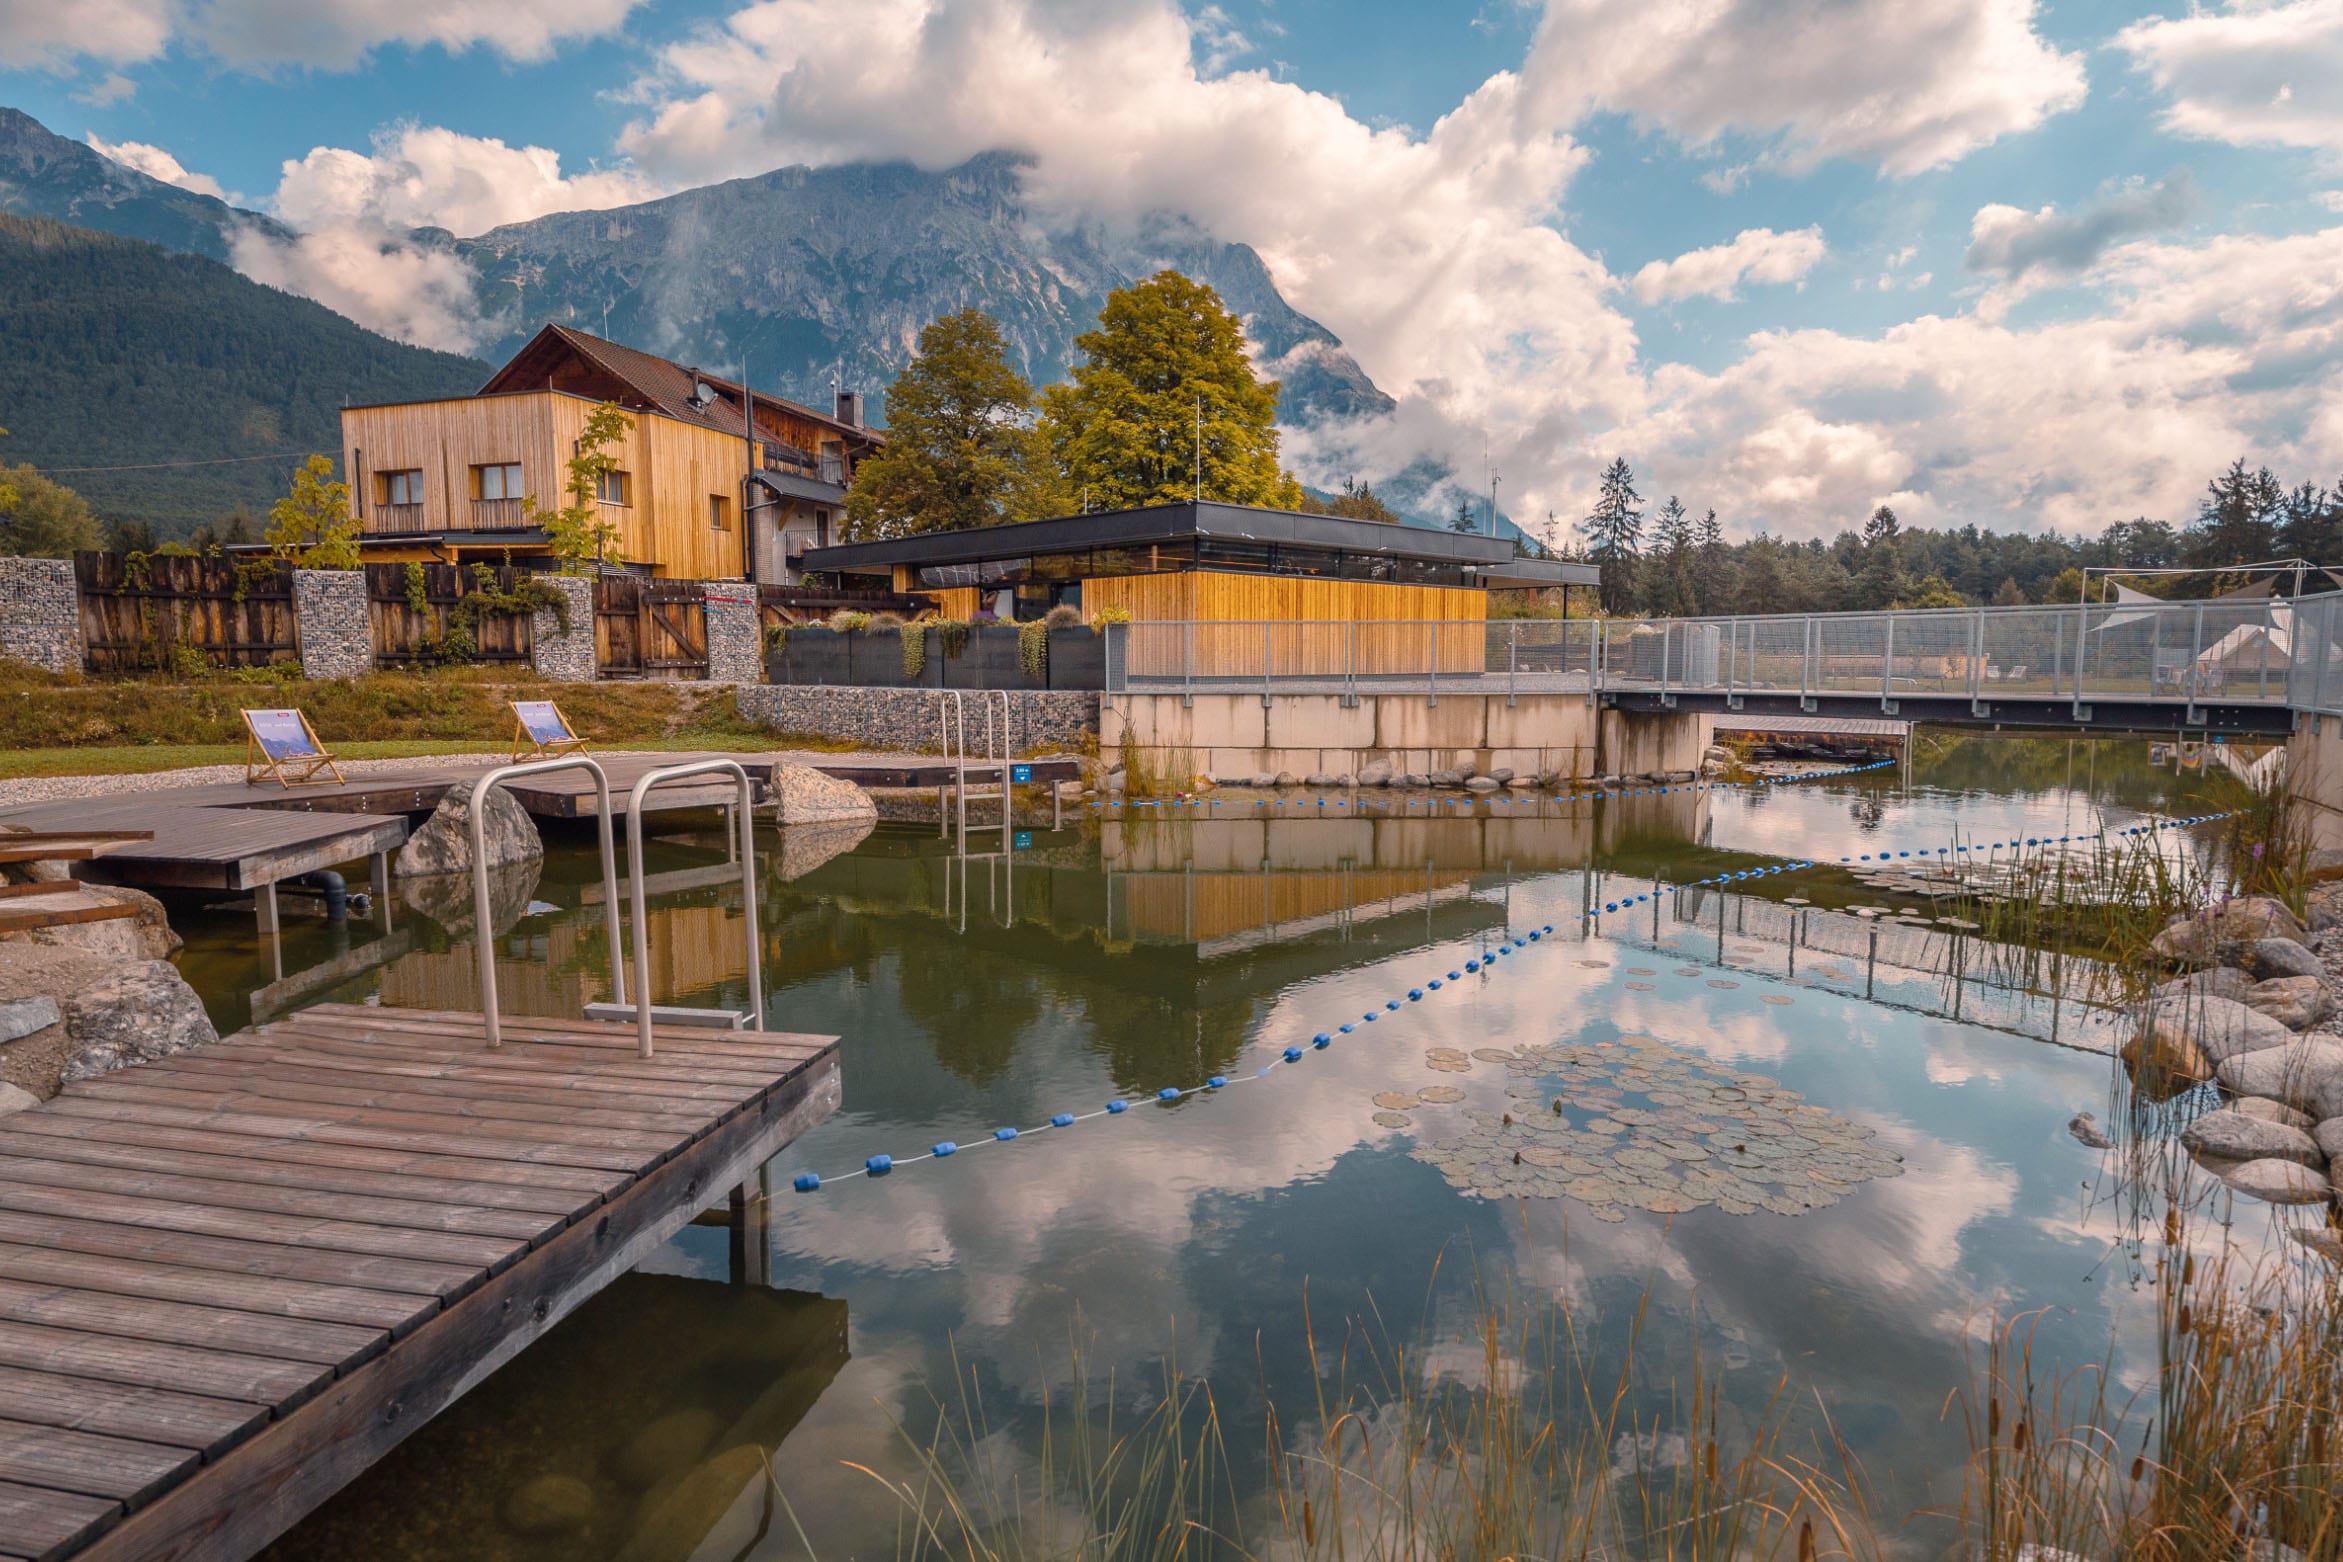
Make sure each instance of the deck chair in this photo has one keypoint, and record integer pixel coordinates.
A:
(279, 746)
(540, 725)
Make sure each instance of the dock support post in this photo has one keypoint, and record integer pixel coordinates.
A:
(749, 1235)
(264, 910)
(378, 875)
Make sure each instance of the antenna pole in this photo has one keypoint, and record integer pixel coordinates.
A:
(1199, 447)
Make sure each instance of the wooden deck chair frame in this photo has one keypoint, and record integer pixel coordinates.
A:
(524, 738)
(298, 770)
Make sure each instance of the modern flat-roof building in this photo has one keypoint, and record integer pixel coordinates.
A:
(715, 481)
(1201, 562)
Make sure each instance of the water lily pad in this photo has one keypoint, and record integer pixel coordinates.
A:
(1395, 1100)
(1718, 981)
(1777, 999)
(1640, 987)
(1393, 1120)
(1439, 1094)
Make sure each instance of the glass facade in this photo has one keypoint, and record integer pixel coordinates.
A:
(1213, 553)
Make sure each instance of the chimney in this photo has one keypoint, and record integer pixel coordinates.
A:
(850, 408)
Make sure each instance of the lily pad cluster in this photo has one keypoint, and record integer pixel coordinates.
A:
(1637, 1124)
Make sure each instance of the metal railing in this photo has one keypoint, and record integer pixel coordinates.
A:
(744, 819)
(484, 913)
(2257, 652)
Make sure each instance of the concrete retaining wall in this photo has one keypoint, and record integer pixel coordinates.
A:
(560, 657)
(42, 623)
(1224, 735)
(906, 718)
(333, 624)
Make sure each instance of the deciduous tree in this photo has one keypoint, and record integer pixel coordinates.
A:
(576, 534)
(961, 447)
(1164, 405)
(42, 519)
(312, 524)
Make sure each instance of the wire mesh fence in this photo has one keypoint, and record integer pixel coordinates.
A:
(2225, 651)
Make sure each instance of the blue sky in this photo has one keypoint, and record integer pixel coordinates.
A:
(2028, 265)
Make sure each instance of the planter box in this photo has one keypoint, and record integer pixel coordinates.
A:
(1077, 660)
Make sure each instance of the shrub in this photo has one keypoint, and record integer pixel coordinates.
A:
(1112, 613)
(846, 621)
(1064, 616)
(951, 634)
(984, 616)
(878, 621)
(1033, 649)
(914, 648)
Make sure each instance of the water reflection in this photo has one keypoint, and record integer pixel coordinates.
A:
(1114, 958)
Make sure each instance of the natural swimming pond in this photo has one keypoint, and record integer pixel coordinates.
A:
(1750, 1131)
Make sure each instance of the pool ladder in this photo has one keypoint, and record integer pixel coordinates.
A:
(644, 1013)
(952, 729)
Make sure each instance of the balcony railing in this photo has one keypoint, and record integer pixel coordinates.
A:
(397, 518)
(2181, 653)
(499, 515)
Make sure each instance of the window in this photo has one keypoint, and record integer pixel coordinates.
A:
(499, 480)
(720, 512)
(614, 487)
(399, 487)
(821, 528)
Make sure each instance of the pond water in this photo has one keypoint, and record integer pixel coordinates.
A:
(1795, 1140)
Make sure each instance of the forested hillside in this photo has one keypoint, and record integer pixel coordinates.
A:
(118, 354)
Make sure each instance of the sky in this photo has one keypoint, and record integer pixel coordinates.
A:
(2027, 266)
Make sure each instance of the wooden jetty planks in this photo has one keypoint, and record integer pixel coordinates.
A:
(230, 1279)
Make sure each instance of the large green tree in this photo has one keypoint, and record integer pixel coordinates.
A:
(1165, 405)
(45, 520)
(961, 448)
(1614, 535)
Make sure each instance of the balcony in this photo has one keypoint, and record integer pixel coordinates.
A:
(499, 515)
(396, 518)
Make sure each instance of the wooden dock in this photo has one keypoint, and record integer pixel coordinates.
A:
(233, 1278)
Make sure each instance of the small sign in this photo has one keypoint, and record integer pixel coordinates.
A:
(542, 722)
(1020, 774)
(1024, 841)
(281, 734)
(2218, 738)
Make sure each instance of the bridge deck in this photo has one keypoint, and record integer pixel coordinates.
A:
(232, 1278)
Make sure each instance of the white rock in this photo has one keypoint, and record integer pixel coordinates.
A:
(1481, 784)
(444, 844)
(803, 795)
(142, 1012)
(2277, 1182)
(15, 1098)
(2221, 1027)
(2275, 1112)
(2329, 1134)
(2296, 1002)
(1375, 772)
(2238, 1136)
(2307, 1074)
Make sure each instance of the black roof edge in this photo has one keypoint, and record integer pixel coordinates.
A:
(1171, 523)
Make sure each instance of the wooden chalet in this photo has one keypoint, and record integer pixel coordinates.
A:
(715, 481)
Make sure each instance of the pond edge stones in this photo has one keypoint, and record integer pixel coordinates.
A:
(803, 795)
(444, 843)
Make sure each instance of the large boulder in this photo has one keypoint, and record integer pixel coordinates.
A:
(2238, 1136)
(138, 1013)
(1321, 780)
(444, 844)
(1375, 772)
(2164, 1062)
(1481, 783)
(2220, 1027)
(446, 898)
(2276, 1112)
(1446, 778)
(2277, 957)
(2329, 1135)
(2277, 1182)
(2221, 981)
(803, 795)
(2296, 1002)
(2306, 1075)
(2224, 933)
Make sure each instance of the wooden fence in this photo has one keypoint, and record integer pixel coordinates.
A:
(146, 612)
(412, 608)
(646, 628)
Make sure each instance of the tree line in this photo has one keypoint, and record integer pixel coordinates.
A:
(1663, 560)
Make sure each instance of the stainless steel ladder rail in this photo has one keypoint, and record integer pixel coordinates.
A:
(480, 906)
(952, 727)
(637, 900)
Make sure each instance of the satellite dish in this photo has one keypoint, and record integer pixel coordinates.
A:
(702, 393)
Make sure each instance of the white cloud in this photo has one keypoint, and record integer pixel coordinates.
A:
(2254, 74)
(417, 295)
(53, 34)
(419, 176)
(156, 163)
(2201, 353)
(1908, 86)
(113, 88)
(1754, 255)
(2009, 242)
(320, 34)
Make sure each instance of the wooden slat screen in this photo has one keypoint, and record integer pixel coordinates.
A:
(405, 634)
(139, 611)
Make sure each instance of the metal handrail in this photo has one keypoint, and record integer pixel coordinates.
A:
(636, 899)
(480, 908)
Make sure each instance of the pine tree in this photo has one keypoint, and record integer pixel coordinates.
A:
(2238, 520)
(961, 448)
(1761, 578)
(1881, 578)
(1614, 533)
(1165, 404)
(1667, 574)
(1462, 520)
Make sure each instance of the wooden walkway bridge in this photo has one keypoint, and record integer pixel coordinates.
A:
(233, 1278)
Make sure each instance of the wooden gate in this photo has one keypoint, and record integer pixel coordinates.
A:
(412, 609)
(646, 628)
(157, 612)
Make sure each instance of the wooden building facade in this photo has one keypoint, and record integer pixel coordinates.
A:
(713, 481)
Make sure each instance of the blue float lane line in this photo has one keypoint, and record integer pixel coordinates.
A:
(1481, 964)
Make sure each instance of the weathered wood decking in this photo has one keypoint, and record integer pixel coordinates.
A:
(231, 1279)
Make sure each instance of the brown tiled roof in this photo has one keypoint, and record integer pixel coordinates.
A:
(665, 386)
